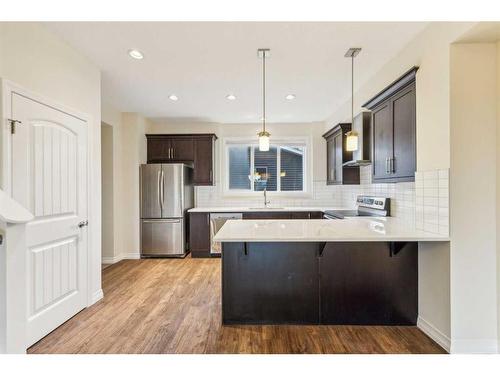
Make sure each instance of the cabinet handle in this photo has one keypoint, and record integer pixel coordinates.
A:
(168, 154)
(211, 175)
(173, 153)
(387, 166)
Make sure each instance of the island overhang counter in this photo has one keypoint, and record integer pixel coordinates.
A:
(352, 271)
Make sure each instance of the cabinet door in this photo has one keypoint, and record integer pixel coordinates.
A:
(364, 283)
(182, 149)
(334, 152)
(203, 161)
(300, 215)
(158, 150)
(330, 161)
(199, 234)
(316, 215)
(403, 109)
(270, 283)
(382, 141)
(266, 215)
(337, 139)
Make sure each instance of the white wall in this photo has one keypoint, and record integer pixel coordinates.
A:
(473, 194)
(113, 117)
(129, 151)
(36, 59)
(107, 191)
(133, 153)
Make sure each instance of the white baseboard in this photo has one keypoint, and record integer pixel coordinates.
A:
(116, 259)
(111, 260)
(132, 256)
(96, 296)
(434, 333)
(474, 346)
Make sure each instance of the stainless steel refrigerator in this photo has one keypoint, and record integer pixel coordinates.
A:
(166, 193)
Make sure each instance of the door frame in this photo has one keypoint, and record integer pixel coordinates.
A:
(7, 89)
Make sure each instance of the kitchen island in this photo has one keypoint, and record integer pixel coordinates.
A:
(352, 271)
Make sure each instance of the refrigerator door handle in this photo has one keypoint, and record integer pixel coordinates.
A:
(162, 188)
(161, 221)
(159, 189)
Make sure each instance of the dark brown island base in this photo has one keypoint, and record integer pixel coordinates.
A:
(365, 283)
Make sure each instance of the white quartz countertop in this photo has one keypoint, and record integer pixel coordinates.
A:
(265, 209)
(358, 229)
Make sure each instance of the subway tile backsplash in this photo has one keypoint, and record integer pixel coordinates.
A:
(423, 203)
(432, 201)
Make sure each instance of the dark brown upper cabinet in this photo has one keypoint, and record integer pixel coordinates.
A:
(182, 149)
(394, 130)
(204, 151)
(337, 155)
(197, 149)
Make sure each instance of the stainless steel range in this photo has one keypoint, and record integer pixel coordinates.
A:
(365, 206)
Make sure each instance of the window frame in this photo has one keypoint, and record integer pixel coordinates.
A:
(277, 142)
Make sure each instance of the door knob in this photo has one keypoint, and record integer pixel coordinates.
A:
(83, 223)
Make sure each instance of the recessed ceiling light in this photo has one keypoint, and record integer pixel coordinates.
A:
(135, 54)
(173, 97)
(231, 97)
(290, 97)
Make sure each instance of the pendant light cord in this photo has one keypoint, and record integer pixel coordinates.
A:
(352, 90)
(264, 90)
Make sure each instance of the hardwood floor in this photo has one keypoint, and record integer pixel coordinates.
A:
(173, 306)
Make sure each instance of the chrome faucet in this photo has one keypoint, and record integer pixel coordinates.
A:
(266, 202)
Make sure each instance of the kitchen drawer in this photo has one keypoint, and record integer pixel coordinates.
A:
(162, 237)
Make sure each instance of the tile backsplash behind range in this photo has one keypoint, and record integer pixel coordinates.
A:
(402, 194)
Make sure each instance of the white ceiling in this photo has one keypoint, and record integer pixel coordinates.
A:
(203, 62)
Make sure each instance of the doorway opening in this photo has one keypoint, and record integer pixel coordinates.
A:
(107, 206)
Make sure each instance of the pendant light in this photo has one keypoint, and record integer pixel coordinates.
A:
(352, 136)
(263, 135)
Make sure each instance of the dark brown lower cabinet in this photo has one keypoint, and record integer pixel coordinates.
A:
(316, 215)
(199, 234)
(270, 283)
(199, 227)
(366, 283)
(263, 215)
(369, 283)
(280, 215)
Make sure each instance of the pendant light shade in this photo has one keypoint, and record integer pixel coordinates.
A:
(352, 136)
(263, 135)
(264, 141)
(351, 143)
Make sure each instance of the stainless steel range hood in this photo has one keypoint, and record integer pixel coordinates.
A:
(361, 125)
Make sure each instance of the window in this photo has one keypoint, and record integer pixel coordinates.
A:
(281, 169)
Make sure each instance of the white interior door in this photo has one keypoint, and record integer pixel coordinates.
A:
(49, 177)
